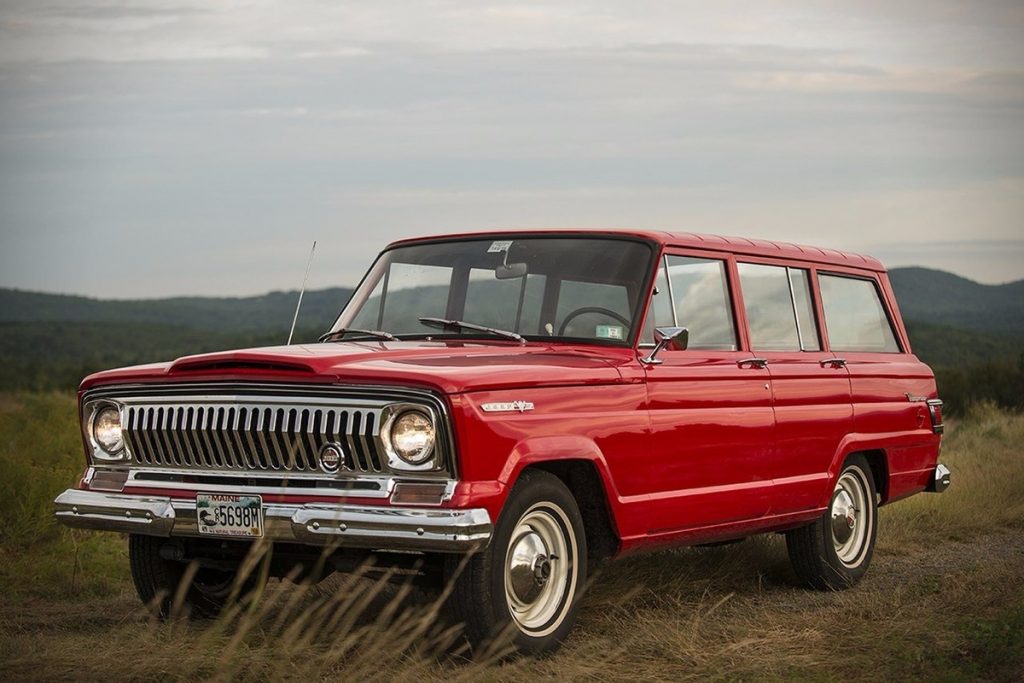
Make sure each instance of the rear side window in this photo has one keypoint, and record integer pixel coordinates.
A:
(854, 315)
(779, 309)
(699, 299)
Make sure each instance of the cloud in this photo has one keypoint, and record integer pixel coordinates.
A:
(198, 144)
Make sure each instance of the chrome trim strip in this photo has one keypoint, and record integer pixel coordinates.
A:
(792, 301)
(357, 526)
(671, 292)
(249, 483)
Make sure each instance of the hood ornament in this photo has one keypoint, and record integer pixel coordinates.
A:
(507, 407)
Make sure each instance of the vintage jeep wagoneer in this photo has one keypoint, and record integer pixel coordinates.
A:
(536, 400)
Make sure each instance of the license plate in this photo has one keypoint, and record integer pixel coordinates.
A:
(221, 514)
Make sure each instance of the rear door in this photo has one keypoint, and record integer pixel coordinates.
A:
(890, 386)
(710, 410)
(810, 387)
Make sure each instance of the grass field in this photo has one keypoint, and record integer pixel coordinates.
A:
(944, 599)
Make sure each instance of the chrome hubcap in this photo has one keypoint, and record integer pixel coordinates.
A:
(529, 567)
(851, 517)
(539, 569)
(844, 516)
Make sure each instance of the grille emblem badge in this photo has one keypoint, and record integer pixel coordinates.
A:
(331, 457)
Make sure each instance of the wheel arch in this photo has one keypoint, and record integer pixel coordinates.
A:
(878, 461)
(580, 465)
(875, 451)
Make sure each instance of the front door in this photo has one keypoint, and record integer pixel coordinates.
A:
(712, 426)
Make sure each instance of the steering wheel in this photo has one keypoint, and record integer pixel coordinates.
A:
(591, 309)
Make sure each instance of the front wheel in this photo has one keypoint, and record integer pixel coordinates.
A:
(158, 581)
(834, 552)
(529, 579)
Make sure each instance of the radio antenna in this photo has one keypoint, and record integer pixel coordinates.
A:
(301, 292)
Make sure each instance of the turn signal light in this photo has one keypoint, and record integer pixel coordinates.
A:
(418, 494)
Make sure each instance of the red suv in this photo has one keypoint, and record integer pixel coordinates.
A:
(536, 400)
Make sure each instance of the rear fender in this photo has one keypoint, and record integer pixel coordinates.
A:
(856, 443)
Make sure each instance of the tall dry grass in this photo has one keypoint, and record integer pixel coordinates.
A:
(985, 451)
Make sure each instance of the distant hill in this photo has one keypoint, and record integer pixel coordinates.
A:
(941, 298)
(945, 346)
(263, 314)
(52, 340)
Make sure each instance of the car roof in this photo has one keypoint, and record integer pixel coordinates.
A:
(734, 245)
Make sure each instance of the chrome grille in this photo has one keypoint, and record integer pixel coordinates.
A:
(245, 436)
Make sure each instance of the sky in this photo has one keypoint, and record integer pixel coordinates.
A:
(168, 147)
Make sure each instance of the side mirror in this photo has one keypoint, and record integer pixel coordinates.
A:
(675, 338)
(510, 271)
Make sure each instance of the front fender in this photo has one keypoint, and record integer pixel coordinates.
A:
(536, 451)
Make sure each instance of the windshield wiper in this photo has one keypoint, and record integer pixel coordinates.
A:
(377, 334)
(458, 325)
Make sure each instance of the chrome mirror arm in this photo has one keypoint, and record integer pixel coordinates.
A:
(675, 337)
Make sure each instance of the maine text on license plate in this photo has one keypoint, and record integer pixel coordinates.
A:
(221, 514)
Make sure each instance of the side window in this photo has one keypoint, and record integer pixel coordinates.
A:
(854, 315)
(699, 294)
(779, 311)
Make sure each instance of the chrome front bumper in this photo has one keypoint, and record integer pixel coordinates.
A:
(357, 526)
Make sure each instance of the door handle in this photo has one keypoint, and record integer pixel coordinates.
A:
(832, 362)
(753, 362)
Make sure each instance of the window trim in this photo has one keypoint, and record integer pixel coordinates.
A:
(882, 299)
(811, 280)
(728, 261)
(639, 315)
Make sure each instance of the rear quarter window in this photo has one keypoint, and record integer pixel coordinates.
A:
(854, 315)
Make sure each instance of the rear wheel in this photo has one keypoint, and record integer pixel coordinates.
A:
(529, 579)
(834, 552)
(157, 581)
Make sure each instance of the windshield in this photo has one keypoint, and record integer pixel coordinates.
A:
(572, 288)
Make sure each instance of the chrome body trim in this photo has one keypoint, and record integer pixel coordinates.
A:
(259, 483)
(940, 479)
(357, 526)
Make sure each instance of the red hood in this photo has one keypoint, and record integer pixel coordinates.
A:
(451, 367)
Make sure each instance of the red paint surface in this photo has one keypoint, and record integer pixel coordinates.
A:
(696, 449)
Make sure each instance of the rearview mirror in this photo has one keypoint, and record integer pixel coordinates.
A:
(510, 271)
(675, 338)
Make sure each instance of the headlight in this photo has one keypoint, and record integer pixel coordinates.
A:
(106, 430)
(410, 435)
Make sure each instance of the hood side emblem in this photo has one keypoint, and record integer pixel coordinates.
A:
(507, 407)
